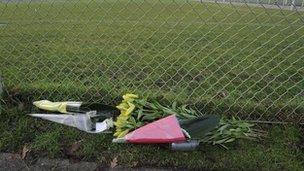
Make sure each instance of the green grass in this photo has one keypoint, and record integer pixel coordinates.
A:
(188, 52)
(222, 59)
(281, 149)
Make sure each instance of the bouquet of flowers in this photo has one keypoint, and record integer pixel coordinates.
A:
(140, 119)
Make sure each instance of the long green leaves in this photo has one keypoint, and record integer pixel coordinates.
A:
(230, 130)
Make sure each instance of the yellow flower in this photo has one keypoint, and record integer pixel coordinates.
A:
(130, 97)
(119, 122)
(118, 131)
(130, 109)
(126, 108)
(122, 106)
(122, 133)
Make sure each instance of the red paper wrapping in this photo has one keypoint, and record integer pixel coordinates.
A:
(165, 130)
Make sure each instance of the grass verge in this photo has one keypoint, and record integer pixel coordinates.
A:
(282, 149)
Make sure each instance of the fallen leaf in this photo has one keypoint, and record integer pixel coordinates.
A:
(114, 162)
(25, 150)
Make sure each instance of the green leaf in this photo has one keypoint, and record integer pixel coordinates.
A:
(174, 105)
(148, 118)
(221, 141)
(139, 114)
(230, 140)
(184, 107)
(132, 120)
(129, 126)
(222, 128)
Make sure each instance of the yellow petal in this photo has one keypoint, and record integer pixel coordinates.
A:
(123, 133)
(124, 113)
(122, 106)
(116, 133)
(129, 97)
(130, 109)
(118, 124)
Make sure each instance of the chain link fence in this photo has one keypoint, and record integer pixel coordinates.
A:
(241, 58)
(283, 4)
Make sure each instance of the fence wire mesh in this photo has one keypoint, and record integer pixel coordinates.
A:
(231, 57)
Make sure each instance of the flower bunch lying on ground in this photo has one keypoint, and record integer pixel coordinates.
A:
(136, 112)
(126, 108)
